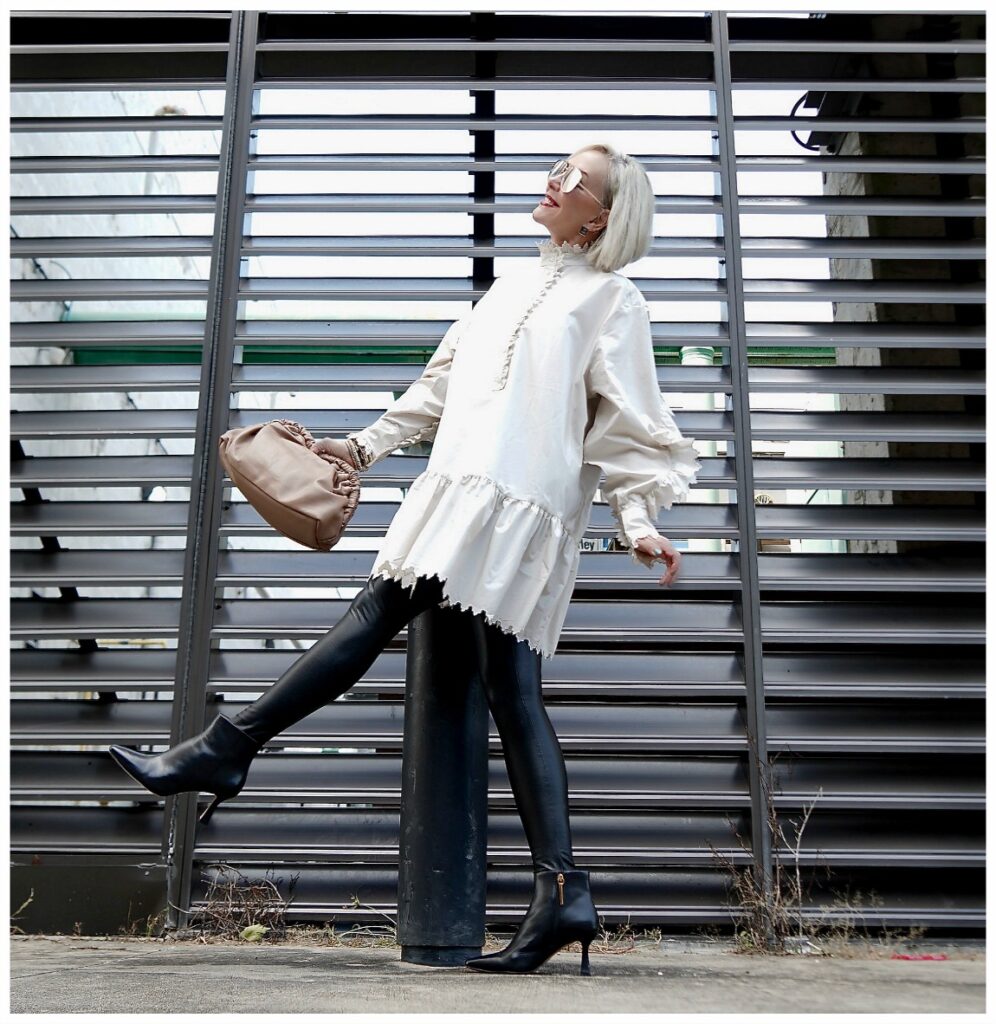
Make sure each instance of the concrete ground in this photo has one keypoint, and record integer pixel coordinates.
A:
(68, 974)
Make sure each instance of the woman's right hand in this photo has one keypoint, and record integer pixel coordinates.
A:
(336, 447)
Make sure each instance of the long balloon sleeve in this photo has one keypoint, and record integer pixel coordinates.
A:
(414, 416)
(633, 437)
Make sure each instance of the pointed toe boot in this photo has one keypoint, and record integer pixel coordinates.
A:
(215, 761)
(561, 912)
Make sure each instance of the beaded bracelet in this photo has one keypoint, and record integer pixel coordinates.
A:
(359, 455)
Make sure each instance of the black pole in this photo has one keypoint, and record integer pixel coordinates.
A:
(442, 868)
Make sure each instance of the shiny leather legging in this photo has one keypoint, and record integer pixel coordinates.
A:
(510, 672)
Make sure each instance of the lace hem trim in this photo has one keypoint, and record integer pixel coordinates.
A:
(407, 575)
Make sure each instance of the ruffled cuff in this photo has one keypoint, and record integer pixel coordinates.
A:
(636, 514)
(374, 444)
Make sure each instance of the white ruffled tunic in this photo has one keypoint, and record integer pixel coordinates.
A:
(545, 385)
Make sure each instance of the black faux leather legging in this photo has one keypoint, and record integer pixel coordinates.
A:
(510, 672)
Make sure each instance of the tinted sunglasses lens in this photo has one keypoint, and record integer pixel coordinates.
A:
(569, 175)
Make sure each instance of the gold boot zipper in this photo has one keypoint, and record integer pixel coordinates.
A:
(560, 886)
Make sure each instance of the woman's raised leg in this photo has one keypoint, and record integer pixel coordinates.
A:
(217, 760)
(338, 661)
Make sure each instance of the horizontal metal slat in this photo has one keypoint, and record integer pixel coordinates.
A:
(112, 163)
(488, 122)
(430, 44)
(865, 335)
(36, 74)
(885, 474)
(869, 727)
(859, 123)
(123, 123)
(106, 618)
(123, 245)
(101, 670)
(106, 290)
(869, 522)
(962, 84)
(123, 205)
(115, 333)
(102, 471)
(864, 206)
(74, 379)
(862, 163)
(839, 46)
(889, 675)
(867, 380)
(858, 290)
(101, 518)
(839, 573)
(884, 623)
(950, 427)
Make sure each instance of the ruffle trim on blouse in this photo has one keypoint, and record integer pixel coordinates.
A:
(673, 485)
(514, 561)
(552, 255)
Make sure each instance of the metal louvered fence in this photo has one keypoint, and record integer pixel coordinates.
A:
(203, 207)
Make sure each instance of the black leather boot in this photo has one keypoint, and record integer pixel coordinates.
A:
(215, 761)
(561, 912)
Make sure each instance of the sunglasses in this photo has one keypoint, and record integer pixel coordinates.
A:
(569, 177)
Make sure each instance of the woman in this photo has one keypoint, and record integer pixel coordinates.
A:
(545, 385)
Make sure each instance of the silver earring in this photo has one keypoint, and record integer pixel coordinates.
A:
(582, 230)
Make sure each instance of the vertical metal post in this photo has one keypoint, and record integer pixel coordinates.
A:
(442, 869)
(201, 557)
(442, 864)
(758, 768)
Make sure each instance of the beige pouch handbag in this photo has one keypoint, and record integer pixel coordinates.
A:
(305, 493)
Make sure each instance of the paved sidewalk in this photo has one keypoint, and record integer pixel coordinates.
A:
(60, 974)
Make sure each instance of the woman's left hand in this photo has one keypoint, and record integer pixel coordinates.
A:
(654, 548)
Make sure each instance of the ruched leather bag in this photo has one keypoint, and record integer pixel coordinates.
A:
(301, 490)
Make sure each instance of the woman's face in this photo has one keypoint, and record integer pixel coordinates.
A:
(576, 208)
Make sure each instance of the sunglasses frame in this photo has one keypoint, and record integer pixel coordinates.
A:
(570, 178)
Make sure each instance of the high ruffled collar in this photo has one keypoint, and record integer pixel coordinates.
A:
(565, 254)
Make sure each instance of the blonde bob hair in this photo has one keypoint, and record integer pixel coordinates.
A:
(629, 232)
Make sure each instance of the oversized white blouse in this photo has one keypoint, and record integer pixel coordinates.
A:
(545, 385)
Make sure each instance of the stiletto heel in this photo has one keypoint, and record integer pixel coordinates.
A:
(585, 966)
(205, 815)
